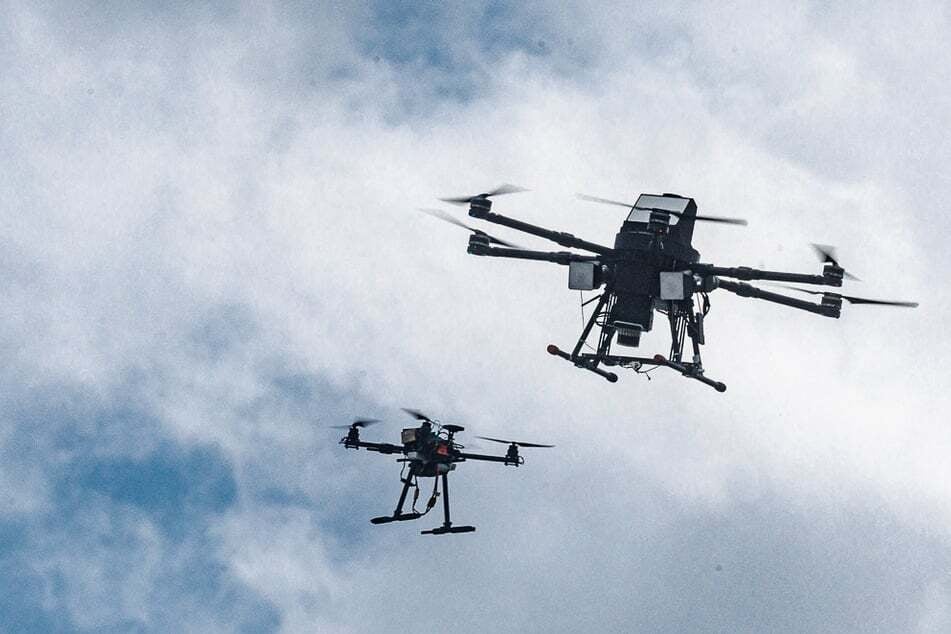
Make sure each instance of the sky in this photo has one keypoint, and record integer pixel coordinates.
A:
(210, 255)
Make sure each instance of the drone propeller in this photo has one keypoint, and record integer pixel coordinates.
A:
(827, 255)
(359, 422)
(418, 415)
(505, 188)
(442, 215)
(720, 219)
(512, 442)
(850, 299)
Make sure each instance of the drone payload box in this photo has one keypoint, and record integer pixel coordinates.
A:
(584, 276)
(676, 285)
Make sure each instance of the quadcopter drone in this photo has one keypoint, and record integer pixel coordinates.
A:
(652, 267)
(430, 451)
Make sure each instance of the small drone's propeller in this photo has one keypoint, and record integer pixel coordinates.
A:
(359, 422)
(728, 221)
(513, 442)
(442, 215)
(850, 299)
(505, 188)
(827, 255)
(418, 415)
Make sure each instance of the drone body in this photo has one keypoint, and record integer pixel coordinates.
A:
(429, 451)
(652, 267)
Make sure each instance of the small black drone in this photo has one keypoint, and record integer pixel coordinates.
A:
(430, 451)
(652, 267)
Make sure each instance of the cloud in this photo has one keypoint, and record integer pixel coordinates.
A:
(210, 254)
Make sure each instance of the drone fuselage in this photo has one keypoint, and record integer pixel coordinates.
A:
(428, 454)
(643, 252)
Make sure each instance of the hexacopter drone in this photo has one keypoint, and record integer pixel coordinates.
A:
(652, 267)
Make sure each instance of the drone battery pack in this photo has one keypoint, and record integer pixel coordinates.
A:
(408, 435)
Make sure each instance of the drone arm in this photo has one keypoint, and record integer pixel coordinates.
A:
(827, 309)
(477, 456)
(746, 273)
(478, 247)
(558, 237)
(381, 447)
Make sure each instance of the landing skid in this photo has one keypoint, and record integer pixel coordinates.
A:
(443, 530)
(690, 371)
(402, 517)
(592, 361)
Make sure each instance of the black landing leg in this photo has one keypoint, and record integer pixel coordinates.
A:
(447, 526)
(398, 515)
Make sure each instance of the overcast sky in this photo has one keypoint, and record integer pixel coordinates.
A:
(210, 255)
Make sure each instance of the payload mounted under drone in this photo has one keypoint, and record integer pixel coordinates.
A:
(652, 267)
(429, 451)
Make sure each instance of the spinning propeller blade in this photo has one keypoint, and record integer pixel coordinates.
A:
(513, 442)
(850, 299)
(359, 422)
(504, 188)
(418, 415)
(827, 255)
(720, 219)
(442, 215)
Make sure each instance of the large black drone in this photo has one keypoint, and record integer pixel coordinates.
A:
(651, 267)
(429, 451)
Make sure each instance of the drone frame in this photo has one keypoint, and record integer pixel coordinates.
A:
(684, 321)
(352, 441)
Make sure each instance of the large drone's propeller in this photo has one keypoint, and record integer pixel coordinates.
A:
(418, 415)
(850, 299)
(505, 188)
(513, 442)
(605, 201)
(442, 215)
(359, 422)
(827, 255)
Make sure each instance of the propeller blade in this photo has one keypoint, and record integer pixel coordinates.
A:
(850, 299)
(442, 215)
(826, 254)
(879, 302)
(607, 201)
(721, 219)
(513, 442)
(504, 188)
(418, 415)
(358, 422)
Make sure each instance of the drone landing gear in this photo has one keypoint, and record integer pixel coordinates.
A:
(447, 526)
(683, 323)
(582, 363)
(442, 530)
(402, 517)
(398, 514)
(690, 371)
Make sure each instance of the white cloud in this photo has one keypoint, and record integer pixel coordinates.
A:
(268, 162)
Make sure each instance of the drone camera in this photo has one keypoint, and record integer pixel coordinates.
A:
(408, 435)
